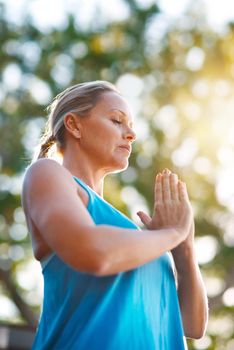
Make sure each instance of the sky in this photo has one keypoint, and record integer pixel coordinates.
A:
(218, 12)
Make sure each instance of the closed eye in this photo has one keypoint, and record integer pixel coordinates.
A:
(116, 121)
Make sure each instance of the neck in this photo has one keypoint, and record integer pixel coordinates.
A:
(83, 169)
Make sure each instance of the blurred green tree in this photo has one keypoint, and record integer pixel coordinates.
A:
(178, 77)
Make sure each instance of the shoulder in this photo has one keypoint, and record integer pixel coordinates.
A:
(43, 164)
(44, 175)
(45, 169)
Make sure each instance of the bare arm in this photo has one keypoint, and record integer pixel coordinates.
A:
(50, 196)
(191, 291)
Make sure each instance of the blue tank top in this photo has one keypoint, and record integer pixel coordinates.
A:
(133, 310)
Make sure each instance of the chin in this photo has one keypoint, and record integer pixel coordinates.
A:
(118, 167)
(121, 168)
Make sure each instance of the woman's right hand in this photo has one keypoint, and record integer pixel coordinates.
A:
(172, 208)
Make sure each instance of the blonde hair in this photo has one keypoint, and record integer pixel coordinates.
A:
(80, 99)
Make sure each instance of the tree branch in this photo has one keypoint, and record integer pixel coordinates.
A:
(24, 309)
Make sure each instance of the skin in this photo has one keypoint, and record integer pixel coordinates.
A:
(104, 250)
(191, 290)
(99, 152)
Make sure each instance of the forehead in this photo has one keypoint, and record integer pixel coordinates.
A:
(110, 101)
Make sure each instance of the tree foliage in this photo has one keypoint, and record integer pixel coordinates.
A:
(178, 77)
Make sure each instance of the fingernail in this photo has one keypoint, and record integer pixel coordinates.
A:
(167, 171)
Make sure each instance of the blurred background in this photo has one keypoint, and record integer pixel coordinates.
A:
(174, 62)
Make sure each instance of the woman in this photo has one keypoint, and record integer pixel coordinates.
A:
(107, 284)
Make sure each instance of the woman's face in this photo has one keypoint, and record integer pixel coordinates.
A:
(107, 132)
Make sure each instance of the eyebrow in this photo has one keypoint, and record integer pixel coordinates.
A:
(125, 116)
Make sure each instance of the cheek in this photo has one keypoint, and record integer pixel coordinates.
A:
(103, 136)
(108, 133)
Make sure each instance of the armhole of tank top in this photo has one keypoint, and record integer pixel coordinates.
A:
(45, 260)
(87, 190)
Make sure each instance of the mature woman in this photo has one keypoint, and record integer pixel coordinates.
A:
(107, 284)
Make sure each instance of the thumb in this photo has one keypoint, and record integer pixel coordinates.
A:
(145, 218)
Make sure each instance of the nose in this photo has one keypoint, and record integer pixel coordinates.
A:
(130, 134)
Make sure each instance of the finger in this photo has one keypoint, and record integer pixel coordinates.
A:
(166, 191)
(158, 189)
(174, 186)
(183, 194)
(145, 218)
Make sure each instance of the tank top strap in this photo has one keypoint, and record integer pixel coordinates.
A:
(87, 189)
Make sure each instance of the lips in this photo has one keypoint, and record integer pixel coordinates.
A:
(127, 147)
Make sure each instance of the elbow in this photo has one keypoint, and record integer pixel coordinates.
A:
(195, 326)
(201, 331)
(101, 268)
(98, 265)
(105, 263)
(196, 332)
(92, 265)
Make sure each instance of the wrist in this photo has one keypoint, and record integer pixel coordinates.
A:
(186, 247)
(179, 237)
(184, 257)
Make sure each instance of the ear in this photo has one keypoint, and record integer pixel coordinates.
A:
(72, 124)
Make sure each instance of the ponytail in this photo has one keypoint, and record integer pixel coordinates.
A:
(46, 142)
(45, 146)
